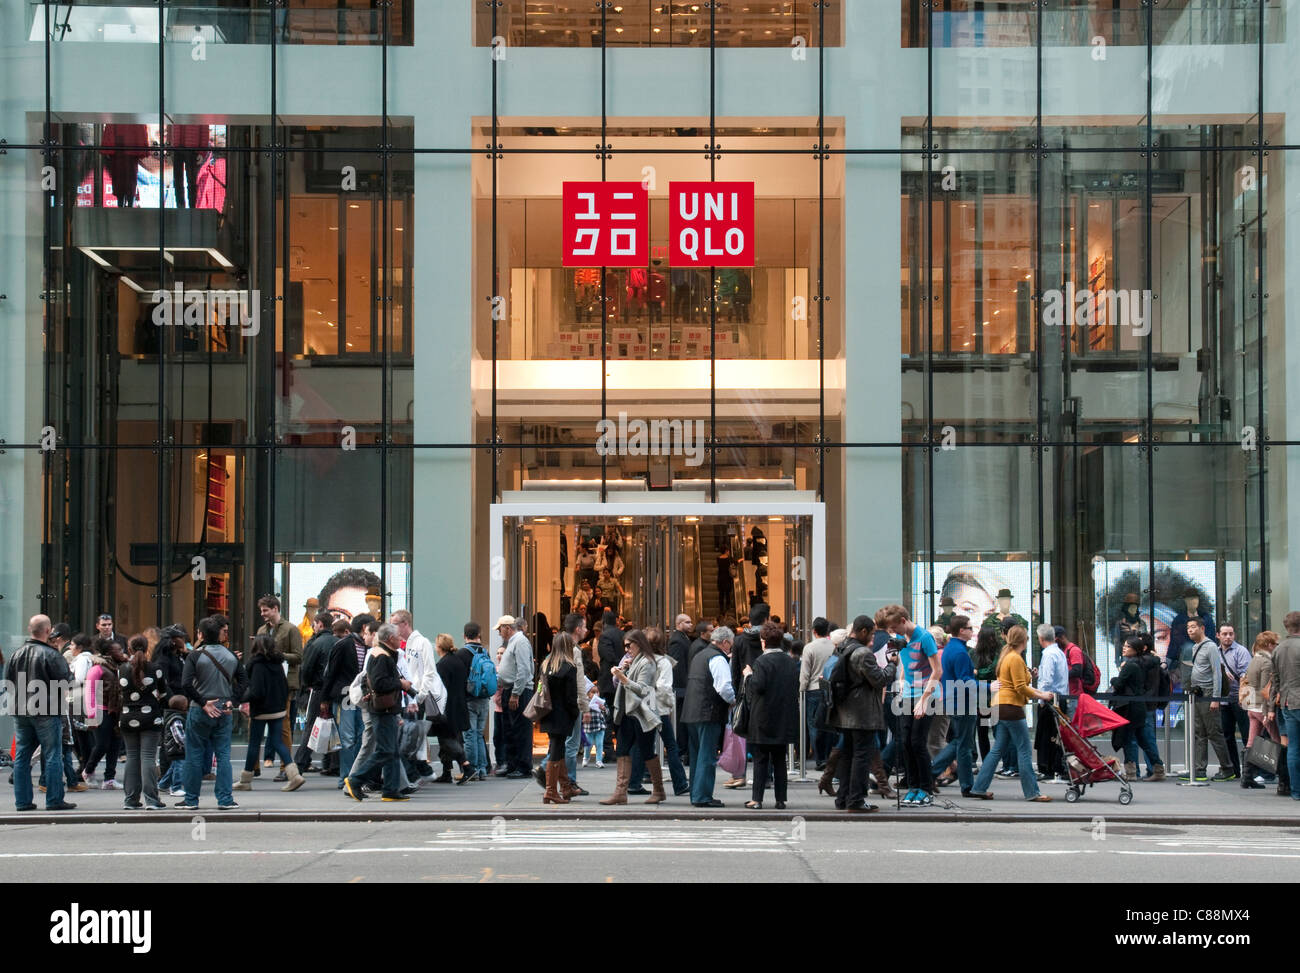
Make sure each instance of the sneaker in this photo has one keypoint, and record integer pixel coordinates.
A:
(584, 760)
(188, 807)
(923, 799)
(132, 807)
(1201, 778)
(1224, 775)
(232, 806)
(177, 792)
(352, 790)
(110, 785)
(600, 764)
(77, 787)
(909, 799)
(155, 807)
(388, 798)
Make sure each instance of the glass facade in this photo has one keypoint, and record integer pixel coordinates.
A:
(301, 321)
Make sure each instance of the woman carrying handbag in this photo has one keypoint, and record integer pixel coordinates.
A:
(560, 676)
(635, 717)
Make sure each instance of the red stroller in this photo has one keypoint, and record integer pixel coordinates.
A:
(1084, 762)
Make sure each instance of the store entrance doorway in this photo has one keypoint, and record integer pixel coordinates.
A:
(649, 563)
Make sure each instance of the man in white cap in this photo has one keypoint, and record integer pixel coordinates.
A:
(515, 677)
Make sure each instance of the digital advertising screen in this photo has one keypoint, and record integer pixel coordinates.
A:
(342, 587)
(974, 586)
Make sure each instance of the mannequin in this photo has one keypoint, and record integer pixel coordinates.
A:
(947, 612)
(1003, 612)
(1178, 640)
(1130, 623)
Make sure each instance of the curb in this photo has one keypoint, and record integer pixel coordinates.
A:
(942, 817)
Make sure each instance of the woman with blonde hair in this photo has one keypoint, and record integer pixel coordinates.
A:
(1255, 696)
(1013, 690)
(560, 671)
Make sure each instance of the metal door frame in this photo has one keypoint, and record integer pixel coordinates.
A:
(498, 512)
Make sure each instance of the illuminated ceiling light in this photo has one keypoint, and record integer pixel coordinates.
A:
(625, 520)
(692, 519)
(354, 205)
(349, 344)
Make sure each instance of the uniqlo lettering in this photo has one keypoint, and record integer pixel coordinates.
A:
(606, 224)
(711, 224)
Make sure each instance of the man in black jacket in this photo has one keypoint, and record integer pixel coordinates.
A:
(312, 679)
(383, 686)
(610, 652)
(744, 653)
(346, 656)
(40, 681)
(679, 650)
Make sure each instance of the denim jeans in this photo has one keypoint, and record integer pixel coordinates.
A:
(703, 740)
(475, 744)
(48, 732)
(1011, 736)
(274, 741)
(200, 731)
(1290, 719)
(959, 748)
(348, 718)
(815, 708)
(1142, 735)
(385, 730)
(673, 757)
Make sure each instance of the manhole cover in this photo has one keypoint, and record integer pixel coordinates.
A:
(1139, 829)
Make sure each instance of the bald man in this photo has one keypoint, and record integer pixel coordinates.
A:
(679, 650)
(42, 678)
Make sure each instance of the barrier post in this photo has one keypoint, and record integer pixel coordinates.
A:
(1189, 734)
(803, 736)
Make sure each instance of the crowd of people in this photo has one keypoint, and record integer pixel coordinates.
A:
(377, 702)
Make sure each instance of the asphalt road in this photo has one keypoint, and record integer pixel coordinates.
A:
(676, 851)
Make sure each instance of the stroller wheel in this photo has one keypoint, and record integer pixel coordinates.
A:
(1126, 795)
(1072, 794)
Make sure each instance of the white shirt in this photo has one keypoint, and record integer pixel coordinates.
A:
(422, 669)
(720, 670)
(81, 664)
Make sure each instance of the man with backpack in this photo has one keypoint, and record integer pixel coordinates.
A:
(479, 690)
(855, 688)
(212, 680)
(345, 661)
(1085, 677)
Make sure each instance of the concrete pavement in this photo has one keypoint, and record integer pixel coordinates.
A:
(319, 799)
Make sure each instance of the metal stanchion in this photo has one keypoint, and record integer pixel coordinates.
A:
(803, 736)
(1169, 753)
(1189, 733)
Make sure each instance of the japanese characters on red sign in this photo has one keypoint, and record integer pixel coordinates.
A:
(711, 224)
(606, 224)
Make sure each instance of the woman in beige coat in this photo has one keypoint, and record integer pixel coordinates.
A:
(635, 717)
(1255, 696)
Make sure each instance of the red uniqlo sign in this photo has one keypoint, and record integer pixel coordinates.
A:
(711, 224)
(606, 224)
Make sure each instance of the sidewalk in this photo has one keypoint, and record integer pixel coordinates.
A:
(319, 799)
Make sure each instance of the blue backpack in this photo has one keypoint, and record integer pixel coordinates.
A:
(482, 676)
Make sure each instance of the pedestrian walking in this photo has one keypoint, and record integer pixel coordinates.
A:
(772, 691)
(857, 683)
(46, 676)
(382, 689)
(1128, 683)
(480, 687)
(709, 694)
(560, 671)
(212, 678)
(142, 683)
(666, 706)
(265, 703)
(1014, 691)
(635, 718)
(103, 703)
(515, 675)
(1206, 683)
(1257, 702)
(452, 672)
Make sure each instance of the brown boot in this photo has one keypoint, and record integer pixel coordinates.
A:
(568, 788)
(1131, 771)
(624, 771)
(657, 795)
(882, 780)
(1158, 773)
(827, 783)
(553, 795)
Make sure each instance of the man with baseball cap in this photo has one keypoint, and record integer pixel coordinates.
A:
(515, 677)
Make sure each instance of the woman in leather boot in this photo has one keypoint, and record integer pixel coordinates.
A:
(561, 675)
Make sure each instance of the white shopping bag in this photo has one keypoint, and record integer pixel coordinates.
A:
(324, 737)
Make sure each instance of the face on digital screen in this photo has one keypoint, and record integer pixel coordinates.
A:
(347, 602)
(971, 600)
(1159, 632)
